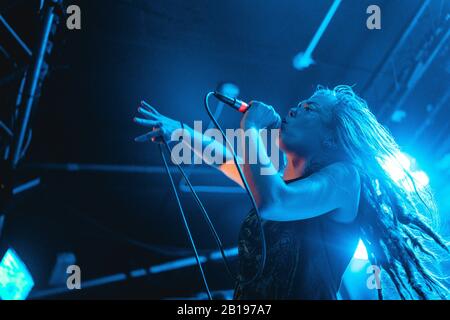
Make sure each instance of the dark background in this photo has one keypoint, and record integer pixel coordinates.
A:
(171, 53)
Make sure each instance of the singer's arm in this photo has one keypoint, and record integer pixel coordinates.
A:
(226, 166)
(334, 189)
(164, 127)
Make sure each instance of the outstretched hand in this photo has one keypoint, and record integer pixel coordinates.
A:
(162, 126)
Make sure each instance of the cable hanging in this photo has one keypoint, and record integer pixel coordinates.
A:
(205, 214)
(185, 223)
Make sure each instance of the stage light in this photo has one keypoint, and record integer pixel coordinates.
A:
(398, 116)
(217, 255)
(16, 281)
(396, 167)
(177, 264)
(304, 59)
(229, 89)
(421, 178)
(361, 251)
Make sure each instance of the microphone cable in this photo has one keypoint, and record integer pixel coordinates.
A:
(205, 214)
(185, 223)
(247, 189)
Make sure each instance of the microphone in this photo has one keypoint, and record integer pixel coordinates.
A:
(236, 104)
(241, 106)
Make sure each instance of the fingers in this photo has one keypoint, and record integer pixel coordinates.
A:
(257, 104)
(147, 113)
(148, 107)
(253, 103)
(147, 122)
(151, 121)
(277, 123)
(149, 136)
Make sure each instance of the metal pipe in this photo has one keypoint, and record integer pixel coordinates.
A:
(22, 44)
(32, 82)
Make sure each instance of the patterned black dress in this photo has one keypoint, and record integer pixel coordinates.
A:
(305, 259)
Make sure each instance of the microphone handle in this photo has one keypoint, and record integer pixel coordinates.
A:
(236, 104)
(240, 106)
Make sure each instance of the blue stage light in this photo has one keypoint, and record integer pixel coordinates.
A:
(398, 116)
(304, 59)
(396, 167)
(16, 281)
(360, 252)
(177, 264)
(229, 89)
(217, 255)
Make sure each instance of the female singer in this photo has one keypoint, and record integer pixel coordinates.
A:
(333, 191)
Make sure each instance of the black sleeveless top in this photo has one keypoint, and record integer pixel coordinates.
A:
(305, 258)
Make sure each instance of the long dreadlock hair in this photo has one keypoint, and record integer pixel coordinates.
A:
(400, 212)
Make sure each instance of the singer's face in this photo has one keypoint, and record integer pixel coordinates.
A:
(307, 126)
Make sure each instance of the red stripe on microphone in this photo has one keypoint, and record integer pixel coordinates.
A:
(243, 108)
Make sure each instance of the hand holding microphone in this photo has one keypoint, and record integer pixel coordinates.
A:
(260, 116)
(257, 115)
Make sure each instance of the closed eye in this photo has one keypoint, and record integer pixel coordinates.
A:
(308, 105)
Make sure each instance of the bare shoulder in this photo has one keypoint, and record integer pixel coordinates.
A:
(341, 169)
(346, 178)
